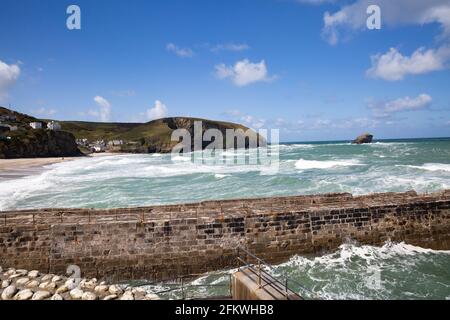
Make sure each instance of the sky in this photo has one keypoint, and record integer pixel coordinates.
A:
(310, 68)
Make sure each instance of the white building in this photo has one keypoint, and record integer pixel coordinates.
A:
(52, 125)
(113, 143)
(36, 125)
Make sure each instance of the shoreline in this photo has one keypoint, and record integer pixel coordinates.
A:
(22, 167)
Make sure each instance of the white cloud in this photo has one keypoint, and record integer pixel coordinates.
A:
(385, 109)
(244, 72)
(8, 76)
(236, 47)
(248, 120)
(158, 111)
(394, 66)
(104, 113)
(181, 52)
(394, 13)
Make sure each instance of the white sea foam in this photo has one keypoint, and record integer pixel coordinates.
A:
(432, 167)
(325, 164)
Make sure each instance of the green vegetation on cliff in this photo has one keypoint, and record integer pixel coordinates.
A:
(150, 137)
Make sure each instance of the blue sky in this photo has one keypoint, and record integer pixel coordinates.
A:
(308, 67)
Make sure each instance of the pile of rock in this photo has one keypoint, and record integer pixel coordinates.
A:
(32, 285)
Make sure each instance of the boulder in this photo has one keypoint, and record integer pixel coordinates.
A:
(62, 289)
(89, 296)
(56, 297)
(5, 283)
(23, 295)
(115, 290)
(22, 281)
(41, 295)
(101, 289)
(47, 277)
(128, 295)
(32, 284)
(110, 297)
(9, 293)
(364, 138)
(33, 274)
(76, 294)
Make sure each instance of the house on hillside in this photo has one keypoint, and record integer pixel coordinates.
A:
(7, 117)
(53, 125)
(36, 125)
(114, 143)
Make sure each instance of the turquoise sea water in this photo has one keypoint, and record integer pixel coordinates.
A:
(394, 271)
(304, 168)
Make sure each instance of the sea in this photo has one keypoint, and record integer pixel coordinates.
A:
(401, 271)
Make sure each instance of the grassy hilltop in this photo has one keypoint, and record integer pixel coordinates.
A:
(150, 137)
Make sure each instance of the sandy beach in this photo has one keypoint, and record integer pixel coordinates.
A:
(16, 168)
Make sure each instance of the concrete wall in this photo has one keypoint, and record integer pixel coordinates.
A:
(167, 241)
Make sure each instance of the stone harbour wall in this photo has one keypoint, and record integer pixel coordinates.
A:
(164, 242)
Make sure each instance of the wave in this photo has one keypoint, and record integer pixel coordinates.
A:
(324, 164)
(393, 271)
(431, 167)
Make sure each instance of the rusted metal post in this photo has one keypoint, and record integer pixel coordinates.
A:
(182, 289)
(287, 289)
(259, 273)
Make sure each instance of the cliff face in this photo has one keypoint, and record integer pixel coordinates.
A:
(25, 142)
(151, 137)
(39, 143)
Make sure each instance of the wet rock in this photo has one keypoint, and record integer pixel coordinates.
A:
(41, 295)
(110, 297)
(364, 138)
(23, 295)
(9, 292)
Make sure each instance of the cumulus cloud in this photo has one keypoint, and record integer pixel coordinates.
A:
(394, 66)
(104, 112)
(399, 12)
(158, 111)
(181, 52)
(244, 72)
(385, 109)
(8, 77)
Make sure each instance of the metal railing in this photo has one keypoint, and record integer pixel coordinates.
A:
(259, 267)
(181, 286)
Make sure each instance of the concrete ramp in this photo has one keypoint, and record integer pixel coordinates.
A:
(247, 284)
